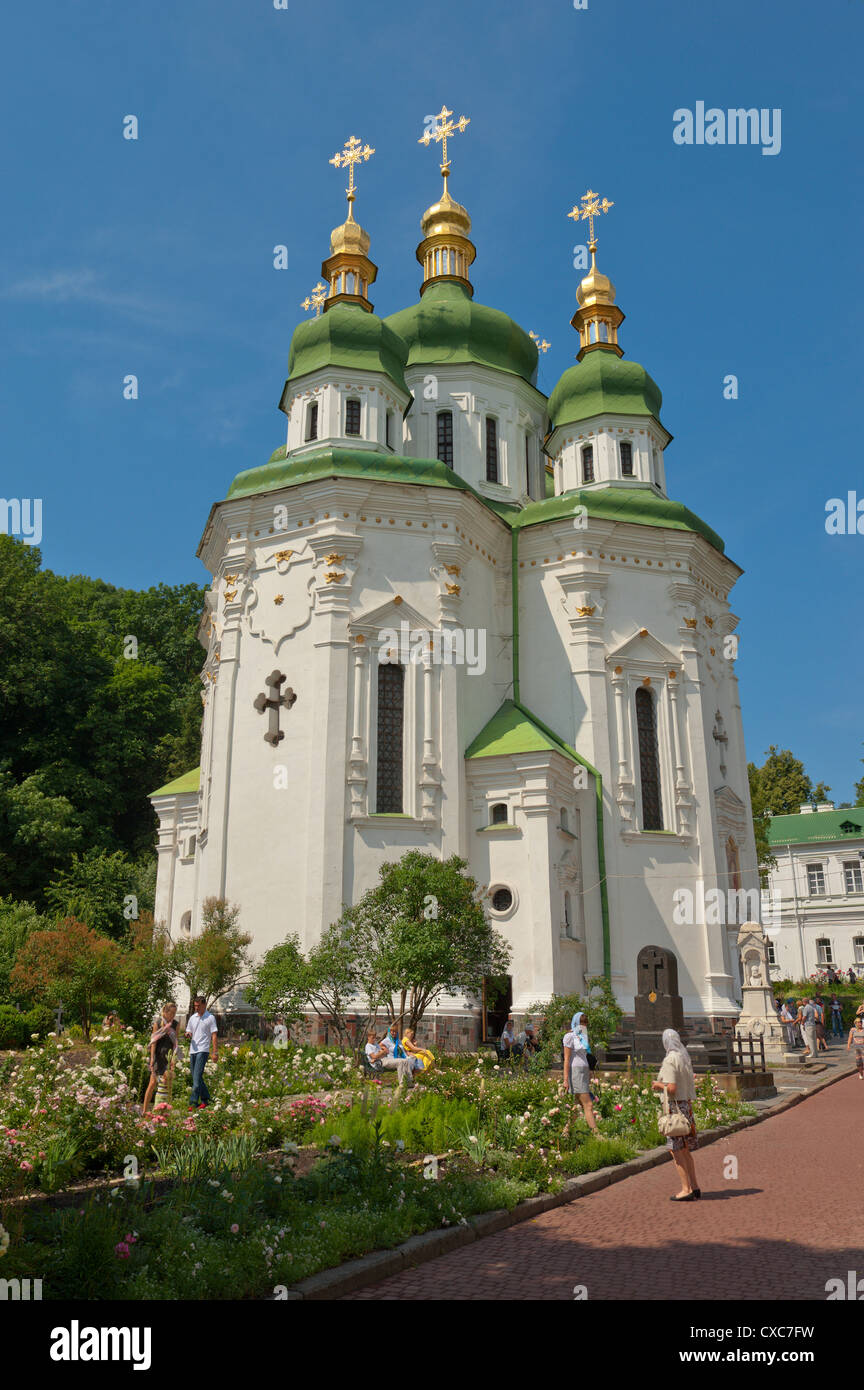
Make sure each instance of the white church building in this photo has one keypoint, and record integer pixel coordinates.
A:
(572, 728)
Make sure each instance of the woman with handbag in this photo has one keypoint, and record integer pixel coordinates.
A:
(676, 1081)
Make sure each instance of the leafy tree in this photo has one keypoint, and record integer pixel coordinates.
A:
(779, 787)
(96, 888)
(326, 981)
(216, 960)
(602, 1013)
(90, 725)
(146, 971)
(17, 921)
(420, 933)
(69, 964)
(38, 833)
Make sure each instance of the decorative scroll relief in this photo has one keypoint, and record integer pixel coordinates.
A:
(281, 595)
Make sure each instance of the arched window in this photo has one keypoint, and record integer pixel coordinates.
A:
(445, 437)
(186, 923)
(649, 763)
(626, 450)
(655, 468)
(491, 449)
(588, 463)
(391, 706)
(563, 821)
(312, 421)
(352, 417)
(499, 814)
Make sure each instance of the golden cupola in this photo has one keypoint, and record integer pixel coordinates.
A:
(446, 251)
(348, 270)
(598, 317)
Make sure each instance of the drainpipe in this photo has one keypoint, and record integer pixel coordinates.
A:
(577, 757)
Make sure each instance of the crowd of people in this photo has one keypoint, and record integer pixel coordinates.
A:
(806, 1022)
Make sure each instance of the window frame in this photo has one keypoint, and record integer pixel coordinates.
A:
(816, 869)
(493, 455)
(622, 445)
(647, 696)
(444, 417)
(352, 401)
(588, 474)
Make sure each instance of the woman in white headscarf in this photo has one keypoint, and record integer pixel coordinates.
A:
(676, 1078)
(577, 1074)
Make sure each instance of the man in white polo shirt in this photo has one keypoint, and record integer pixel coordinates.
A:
(201, 1030)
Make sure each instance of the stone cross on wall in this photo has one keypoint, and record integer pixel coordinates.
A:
(273, 702)
(657, 1004)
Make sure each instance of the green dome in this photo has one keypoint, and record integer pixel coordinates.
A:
(349, 337)
(603, 384)
(447, 326)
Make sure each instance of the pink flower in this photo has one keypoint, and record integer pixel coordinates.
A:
(121, 1250)
(28, 1167)
(234, 1229)
(619, 1107)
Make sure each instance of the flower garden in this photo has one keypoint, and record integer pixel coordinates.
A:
(299, 1163)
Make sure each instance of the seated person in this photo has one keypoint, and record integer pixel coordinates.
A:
(375, 1051)
(508, 1037)
(422, 1057)
(528, 1039)
(391, 1053)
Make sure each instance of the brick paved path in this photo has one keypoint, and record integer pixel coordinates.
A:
(791, 1221)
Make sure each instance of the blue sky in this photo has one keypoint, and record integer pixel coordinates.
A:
(155, 257)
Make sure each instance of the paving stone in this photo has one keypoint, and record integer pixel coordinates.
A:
(787, 1224)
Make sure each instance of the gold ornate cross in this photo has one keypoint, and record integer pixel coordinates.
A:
(315, 299)
(542, 345)
(353, 153)
(444, 129)
(591, 208)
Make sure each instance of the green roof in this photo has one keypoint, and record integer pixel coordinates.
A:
(349, 337)
(603, 384)
(639, 505)
(511, 731)
(814, 826)
(282, 471)
(448, 326)
(189, 782)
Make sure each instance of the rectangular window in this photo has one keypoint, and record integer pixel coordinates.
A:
(445, 437)
(388, 429)
(824, 954)
(626, 459)
(852, 874)
(858, 945)
(391, 705)
(815, 880)
(649, 762)
(312, 421)
(491, 450)
(527, 466)
(769, 951)
(588, 464)
(352, 417)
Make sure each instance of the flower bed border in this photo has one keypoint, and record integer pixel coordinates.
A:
(382, 1264)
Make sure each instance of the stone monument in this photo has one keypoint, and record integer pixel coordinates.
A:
(758, 1015)
(657, 1004)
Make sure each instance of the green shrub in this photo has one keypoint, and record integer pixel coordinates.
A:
(14, 1032)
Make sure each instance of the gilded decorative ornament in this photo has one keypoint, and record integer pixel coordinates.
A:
(316, 297)
(542, 344)
(690, 622)
(587, 611)
(333, 559)
(453, 588)
(444, 130)
(333, 576)
(453, 569)
(284, 555)
(591, 208)
(230, 594)
(280, 598)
